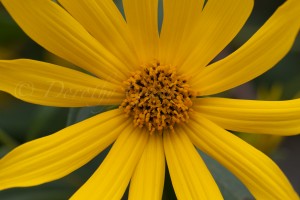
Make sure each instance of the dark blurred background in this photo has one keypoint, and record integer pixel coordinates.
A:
(21, 121)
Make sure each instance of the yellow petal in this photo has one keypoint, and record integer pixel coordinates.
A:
(190, 176)
(250, 116)
(179, 21)
(259, 173)
(104, 21)
(52, 85)
(261, 52)
(141, 17)
(148, 179)
(59, 154)
(219, 23)
(57, 31)
(112, 177)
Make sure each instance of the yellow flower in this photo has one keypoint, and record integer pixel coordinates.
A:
(265, 143)
(155, 78)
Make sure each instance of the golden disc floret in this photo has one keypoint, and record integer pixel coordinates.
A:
(157, 97)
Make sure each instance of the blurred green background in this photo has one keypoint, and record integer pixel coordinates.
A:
(21, 122)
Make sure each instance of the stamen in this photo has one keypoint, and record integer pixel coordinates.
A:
(157, 98)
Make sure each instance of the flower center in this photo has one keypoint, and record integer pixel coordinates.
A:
(157, 97)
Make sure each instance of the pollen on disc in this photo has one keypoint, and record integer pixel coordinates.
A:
(157, 97)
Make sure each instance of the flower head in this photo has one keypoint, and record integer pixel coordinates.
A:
(157, 79)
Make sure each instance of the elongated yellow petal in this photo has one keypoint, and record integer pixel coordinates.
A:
(179, 21)
(57, 31)
(190, 176)
(269, 117)
(104, 21)
(219, 23)
(52, 85)
(148, 179)
(61, 153)
(261, 52)
(141, 17)
(258, 172)
(112, 177)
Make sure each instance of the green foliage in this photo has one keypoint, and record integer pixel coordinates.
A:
(231, 188)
